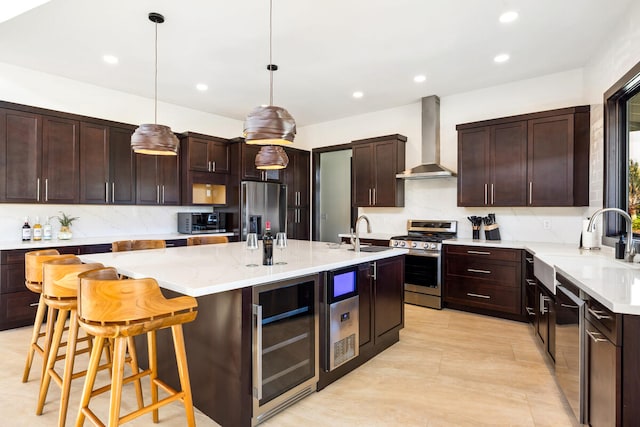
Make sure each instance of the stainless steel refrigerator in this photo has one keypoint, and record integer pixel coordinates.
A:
(261, 202)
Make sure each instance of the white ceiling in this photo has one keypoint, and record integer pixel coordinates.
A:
(325, 49)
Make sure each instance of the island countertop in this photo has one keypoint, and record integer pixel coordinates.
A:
(208, 269)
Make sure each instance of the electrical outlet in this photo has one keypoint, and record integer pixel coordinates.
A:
(546, 224)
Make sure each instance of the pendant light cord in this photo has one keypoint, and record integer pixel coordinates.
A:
(155, 89)
(270, 50)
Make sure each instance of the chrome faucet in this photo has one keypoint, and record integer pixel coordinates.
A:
(356, 242)
(630, 250)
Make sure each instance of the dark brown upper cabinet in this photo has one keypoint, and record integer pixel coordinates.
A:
(376, 161)
(158, 180)
(203, 153)
(538, 159)
(107, 165)
(493, 159)
(40, 156)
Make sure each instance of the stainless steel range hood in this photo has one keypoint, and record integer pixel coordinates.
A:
(430, 167)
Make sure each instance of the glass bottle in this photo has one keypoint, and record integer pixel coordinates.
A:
(26, 230)
(46, 230)
(37, 230)
(267, 245)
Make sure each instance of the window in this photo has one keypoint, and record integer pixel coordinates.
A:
(622, 151)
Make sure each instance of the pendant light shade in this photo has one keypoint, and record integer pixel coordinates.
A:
(271, 157)
(269, 125)
(154, 138)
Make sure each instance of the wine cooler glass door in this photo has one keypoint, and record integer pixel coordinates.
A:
(284, 342)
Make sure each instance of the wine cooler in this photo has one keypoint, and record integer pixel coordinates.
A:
(285, 345)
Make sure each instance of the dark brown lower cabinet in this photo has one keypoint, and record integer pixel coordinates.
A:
(485, 280)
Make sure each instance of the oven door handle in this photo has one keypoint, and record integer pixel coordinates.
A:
(424, 254)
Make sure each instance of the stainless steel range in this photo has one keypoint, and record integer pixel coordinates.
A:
(423, 266)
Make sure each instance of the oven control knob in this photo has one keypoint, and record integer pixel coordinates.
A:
(414, 244)
(403, 244)
(433, 246)
(396, 243)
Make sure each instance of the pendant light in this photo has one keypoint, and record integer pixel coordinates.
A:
(154, 138)
(268, 124)
(271, 157)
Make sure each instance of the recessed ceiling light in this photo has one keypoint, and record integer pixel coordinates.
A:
(509, 16)
(420, 78)
(358, 94)
(110, 59)
(503, 57)
(202, 87)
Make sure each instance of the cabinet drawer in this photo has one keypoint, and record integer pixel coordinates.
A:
(18, 309)
(485, 252)
(606, 321)
(483, 270)
(483, 296)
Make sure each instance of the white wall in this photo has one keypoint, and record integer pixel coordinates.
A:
(436, 199)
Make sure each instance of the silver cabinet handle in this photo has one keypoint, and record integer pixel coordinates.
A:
(473, 270)
(596, 336)
(374, 197)
(257, 390)
(543, 300)
(38, 189)
(485, 194)
(469, 294)
(106, 191)
(530, 282)
(530, 311)
(598, 314)
(208, 166)
(33, 304)
(374, 270)
(113, 192)
(369, 197)
(479, 253)
(569, 306)
(163, 194)
(46, 189)
(530, 192)
(157, 194)
(492, 201)
(529, 260)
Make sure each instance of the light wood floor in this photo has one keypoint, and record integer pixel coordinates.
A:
(450, 368)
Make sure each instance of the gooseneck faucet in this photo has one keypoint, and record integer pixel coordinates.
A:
(630, 250)
(356, 242)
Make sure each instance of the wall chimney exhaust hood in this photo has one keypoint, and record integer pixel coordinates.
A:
(430, 167)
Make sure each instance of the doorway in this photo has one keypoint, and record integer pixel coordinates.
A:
(334, 182)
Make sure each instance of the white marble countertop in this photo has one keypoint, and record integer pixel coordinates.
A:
(614, 283)
(207, 269)
(80, 241)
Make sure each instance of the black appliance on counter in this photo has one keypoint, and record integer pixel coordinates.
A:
(201, 222)
(423, 263)
(285, 344)
(342, 317)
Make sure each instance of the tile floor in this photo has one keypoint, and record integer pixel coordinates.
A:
(450, 368)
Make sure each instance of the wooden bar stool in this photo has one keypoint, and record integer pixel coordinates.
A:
(136, 245)
(33, 280)
(206, 240)
(119, 309)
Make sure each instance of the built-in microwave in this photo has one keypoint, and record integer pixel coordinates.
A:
(201, 222)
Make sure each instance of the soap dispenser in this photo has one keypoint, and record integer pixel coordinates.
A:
(620, 248)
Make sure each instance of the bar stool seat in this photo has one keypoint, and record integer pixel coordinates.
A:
(136, 245)
(206, 239)
(124, 308)
(33, 281)
(60, 292)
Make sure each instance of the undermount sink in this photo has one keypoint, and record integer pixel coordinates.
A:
(372, 248)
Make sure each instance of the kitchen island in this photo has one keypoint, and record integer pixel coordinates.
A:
(220, 342)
